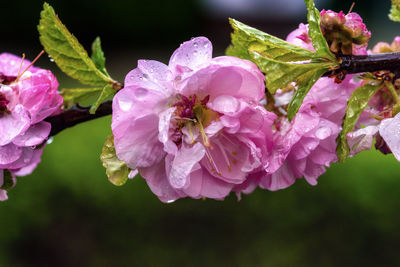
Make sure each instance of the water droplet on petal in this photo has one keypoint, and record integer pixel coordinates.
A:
(50, 140)
(195, 44)
(170, 201)
(124, 105)
(323, 132)
(140, 92)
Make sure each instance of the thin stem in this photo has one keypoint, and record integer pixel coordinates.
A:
(393, 92)
(76, 115)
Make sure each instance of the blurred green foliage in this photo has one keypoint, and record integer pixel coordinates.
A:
(68, 214)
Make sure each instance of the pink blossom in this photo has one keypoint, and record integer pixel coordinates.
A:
(26, 99)
(307, 145)
(300, 37)
(383, 47)
(194, 128)
(389, 129)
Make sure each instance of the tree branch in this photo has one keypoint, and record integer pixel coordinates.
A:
(76, 115)
(369, 63)
(350, 64)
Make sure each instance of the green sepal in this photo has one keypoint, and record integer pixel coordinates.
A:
(314, 31)
(116, 170)
(107, 93)
(76, 95)
(8, 180)
(98, 57)
(67, 52)
(395, 11)
(356, 104)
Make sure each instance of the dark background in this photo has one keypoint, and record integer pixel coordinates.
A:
(67, 214)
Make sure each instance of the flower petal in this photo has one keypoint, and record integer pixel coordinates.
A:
(192, 54)
(151, 75)
(389, 129)
(35, 135)
(157, 180)
(9, 153)
(183, 163)
(13, 124)
(138, 146)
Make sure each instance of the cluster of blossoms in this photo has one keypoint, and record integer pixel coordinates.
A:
(197, 126)
(27, 96)
(381, 120)
(201, 127)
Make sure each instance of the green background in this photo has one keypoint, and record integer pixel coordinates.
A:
(67, 214)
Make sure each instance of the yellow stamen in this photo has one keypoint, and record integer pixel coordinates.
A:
(22, 62)
(30, 65)
(190, 132)
(203, 134)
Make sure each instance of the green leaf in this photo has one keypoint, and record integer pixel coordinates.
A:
(66, 51)
(395, 11)
(245, 36)
(116, 170)
(106, 93)
(304, 83)
(278, 74)
(314, 31)
(8, 180)
(98, 56)
(76, 95)
(356, 104)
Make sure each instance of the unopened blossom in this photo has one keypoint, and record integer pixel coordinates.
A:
(193, 128)
(346, 34)
(27, 96)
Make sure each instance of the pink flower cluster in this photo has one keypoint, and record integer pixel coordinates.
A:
(380, 106)
(26, 99)
(196, 128)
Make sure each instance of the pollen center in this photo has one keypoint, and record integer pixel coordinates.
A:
(193, 112)
(3, 104)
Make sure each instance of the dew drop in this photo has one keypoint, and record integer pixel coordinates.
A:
(140, 92)
(323, 132)
(124, 105)
(195, 44)
(50, 58)
(170, 201)
(50, 140)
